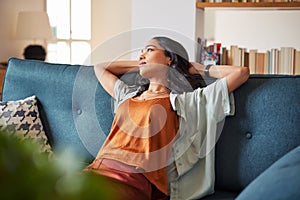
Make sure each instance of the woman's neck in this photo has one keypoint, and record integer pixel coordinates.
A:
(155, 90)
(158, 87)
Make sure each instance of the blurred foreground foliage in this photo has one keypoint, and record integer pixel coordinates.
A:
(26, 173)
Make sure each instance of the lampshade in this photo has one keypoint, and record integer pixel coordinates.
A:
(33, 25)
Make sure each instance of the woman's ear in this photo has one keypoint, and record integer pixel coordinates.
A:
(169, 61)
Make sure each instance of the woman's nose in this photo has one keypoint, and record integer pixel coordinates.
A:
(142, 56)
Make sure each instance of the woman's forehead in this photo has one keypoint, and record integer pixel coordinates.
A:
(154, 43)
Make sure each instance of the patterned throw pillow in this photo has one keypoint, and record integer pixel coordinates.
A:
(22, 118)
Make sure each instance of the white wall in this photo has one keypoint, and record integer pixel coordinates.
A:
(173, 18)
(254, 29)
(116, 22)
(110, 19)
(9, 9)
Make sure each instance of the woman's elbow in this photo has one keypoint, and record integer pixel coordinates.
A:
(99, 69)
(238, 76)
(244, 73)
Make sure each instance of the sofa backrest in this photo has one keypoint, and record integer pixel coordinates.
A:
(266, 126)
(77, 112)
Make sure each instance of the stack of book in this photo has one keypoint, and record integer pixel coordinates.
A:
(245, 1)
(285, 60)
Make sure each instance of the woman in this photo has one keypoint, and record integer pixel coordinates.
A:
(161, 143)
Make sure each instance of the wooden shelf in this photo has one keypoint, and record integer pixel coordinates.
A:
(251, 5)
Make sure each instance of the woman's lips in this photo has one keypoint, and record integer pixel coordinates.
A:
(142, 63)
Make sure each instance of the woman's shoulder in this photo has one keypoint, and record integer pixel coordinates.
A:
(124, 91)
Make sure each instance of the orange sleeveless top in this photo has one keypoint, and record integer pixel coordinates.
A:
(142, 135)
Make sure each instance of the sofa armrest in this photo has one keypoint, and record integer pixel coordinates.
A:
(280, 181)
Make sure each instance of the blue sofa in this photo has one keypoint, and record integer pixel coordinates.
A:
(257, 155)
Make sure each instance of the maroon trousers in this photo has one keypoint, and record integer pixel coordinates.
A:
(126, 181)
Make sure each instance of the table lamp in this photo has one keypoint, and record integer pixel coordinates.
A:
(34, 25)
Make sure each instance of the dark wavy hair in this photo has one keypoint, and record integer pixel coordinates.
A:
(179, 78)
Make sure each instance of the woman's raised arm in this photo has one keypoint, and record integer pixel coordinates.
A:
(107, 73)
(235, 75)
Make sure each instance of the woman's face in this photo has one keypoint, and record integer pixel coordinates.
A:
(153, 61)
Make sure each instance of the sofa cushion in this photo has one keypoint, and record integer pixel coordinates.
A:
(265, 127)
(22, 118)
(280, 181)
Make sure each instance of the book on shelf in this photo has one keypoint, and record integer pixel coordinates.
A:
(252, 60)
(297, 63)
(286, 65)
(236, 55)
(209, 54)
(259, 63)
(273, 61)
(224, 56)
(246, 59)
(284, 60)
(266, 62)
(201, 44)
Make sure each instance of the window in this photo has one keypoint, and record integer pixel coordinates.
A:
(71, 24)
